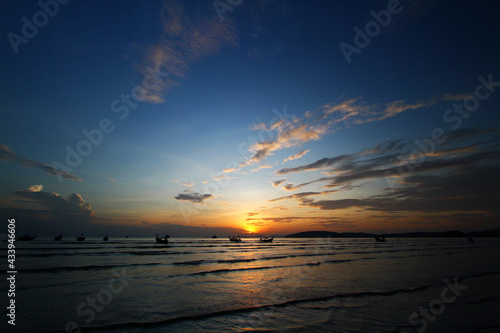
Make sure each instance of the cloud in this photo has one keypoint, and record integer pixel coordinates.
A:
(222, 177)
(194, 197)
(337, 204)
(472, 191)
(229, 170)
(285, 219)
(296, 156)
(293, 133)
(288, 134)
(303, 197)
(278, 182)
(325, 221)
(7, 155)
(185, 184)
(397, 158)
(73, 205)
(292, 187)
(356, 111)
(457, 176)
(344, 110)
(35, 188)
(187, 38)
(319, 164)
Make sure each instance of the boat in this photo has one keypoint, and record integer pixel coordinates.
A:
(214, 236)
(380, 239)
(58, 238)
(80, 238)
(163, 240)
(26, 238)
(267, 239)
(234, 239)
(106, 238)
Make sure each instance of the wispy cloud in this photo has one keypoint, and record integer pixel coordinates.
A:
(8, 156)
(278, 182)
(303, 197)
(229, 170)
(222, 177)
(186, 39)
(185, 184)
(296, 156)
(347, 112)
(319, 164)
(357, 111)
(288, 134)
(457, 175)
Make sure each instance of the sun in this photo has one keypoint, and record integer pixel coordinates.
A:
(251, 229)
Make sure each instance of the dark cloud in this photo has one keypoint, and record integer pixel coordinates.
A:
(278, 182)
(468, 133)
(320, 164)
(9, 156)
(459, 176)
(56, 204)
(302, 196)
(47, 213)
(194, 197)
(395, 158)
(337, 204)
(468, 194)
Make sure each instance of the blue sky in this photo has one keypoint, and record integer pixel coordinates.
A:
(254, 120)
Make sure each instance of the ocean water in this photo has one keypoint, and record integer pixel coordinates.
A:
(290, 285)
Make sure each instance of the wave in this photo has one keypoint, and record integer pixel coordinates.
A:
(230, 270)
(264, 307)
(202, 262)
(486, 300)
(168, 321)
(83, 268)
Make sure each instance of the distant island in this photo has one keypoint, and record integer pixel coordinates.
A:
(449, 233)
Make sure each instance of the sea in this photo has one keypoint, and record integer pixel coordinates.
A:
(289, 285)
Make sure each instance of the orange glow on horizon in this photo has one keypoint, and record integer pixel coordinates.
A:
(251, 229)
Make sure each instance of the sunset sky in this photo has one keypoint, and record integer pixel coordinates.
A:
(270, 117)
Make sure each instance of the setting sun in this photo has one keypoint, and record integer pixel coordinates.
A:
(251, 230)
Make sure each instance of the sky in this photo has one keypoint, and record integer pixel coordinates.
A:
(196, 118)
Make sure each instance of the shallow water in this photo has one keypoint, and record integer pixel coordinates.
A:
(212, 285)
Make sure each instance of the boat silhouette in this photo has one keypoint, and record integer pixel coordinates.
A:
(163, 240)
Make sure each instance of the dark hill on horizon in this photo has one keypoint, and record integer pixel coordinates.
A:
(449, 233)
